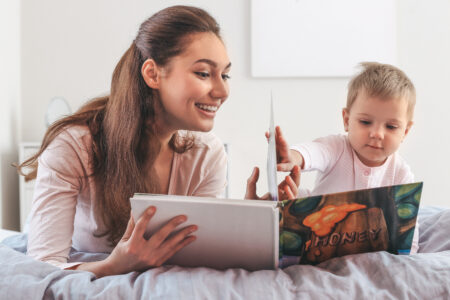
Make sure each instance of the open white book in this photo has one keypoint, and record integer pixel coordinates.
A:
(231, 233)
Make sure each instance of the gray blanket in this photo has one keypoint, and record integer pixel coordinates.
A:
(377, 275)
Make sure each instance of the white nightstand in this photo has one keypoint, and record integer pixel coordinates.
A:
(26, 150)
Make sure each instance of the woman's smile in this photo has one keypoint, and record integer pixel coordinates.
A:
(208, 109)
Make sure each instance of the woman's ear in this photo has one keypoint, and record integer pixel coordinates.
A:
(345, 117)
(151, 73)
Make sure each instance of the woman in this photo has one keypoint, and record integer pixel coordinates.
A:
(172, 79)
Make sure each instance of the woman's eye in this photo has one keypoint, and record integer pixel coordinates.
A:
(225, 77)
(202, 74)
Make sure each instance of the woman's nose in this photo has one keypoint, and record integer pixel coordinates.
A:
(220, 89)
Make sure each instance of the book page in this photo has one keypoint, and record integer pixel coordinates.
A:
(272, 158)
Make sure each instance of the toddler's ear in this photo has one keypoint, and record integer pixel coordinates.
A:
(408, 127)
(345, 117)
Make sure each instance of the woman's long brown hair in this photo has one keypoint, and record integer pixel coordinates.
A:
(121, 124)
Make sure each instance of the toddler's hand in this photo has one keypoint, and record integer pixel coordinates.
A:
(285, 162)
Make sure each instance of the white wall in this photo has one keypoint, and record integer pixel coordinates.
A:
(69, 49)
(9, 101)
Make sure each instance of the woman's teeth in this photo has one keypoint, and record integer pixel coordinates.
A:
(210, 108)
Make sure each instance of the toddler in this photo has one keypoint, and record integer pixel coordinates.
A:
(377, 118)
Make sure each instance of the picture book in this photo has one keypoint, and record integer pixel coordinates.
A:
(315, 229)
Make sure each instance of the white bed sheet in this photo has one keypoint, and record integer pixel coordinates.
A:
(4, 233)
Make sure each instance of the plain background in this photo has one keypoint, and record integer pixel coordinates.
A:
(69, 48)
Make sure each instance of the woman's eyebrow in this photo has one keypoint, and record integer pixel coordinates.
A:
(211, 63)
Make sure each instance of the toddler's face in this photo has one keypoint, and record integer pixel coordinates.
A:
(376, 127)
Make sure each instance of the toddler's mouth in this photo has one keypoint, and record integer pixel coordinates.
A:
(375, 147)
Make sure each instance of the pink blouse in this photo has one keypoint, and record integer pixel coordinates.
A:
(62, 214)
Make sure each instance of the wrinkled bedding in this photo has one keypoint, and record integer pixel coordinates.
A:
(378, 275)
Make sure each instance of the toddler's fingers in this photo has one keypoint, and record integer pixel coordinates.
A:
(278, 131)
(285, 167)
(290, 195)
(279, 135)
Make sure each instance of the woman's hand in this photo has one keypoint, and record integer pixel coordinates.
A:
(135, 253)
(250, 193)
(287, 189)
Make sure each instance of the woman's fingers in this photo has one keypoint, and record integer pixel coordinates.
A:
(295, 175)
(177, 247)
(266, 196)
(176, 242)
(251, 184)
(158, 237)
(142, 222)
(288, 188)
(289, 194)
(291, 188)
(178, 237)
(126, 236)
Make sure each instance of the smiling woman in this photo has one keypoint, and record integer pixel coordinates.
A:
(148, 135)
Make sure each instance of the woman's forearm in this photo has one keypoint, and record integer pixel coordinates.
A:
(99, 268)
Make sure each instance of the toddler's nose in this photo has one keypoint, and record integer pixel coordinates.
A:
(376, 133)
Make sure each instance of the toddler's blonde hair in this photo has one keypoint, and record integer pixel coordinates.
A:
(383, 81)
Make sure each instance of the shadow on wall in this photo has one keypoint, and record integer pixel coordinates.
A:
(9, 189)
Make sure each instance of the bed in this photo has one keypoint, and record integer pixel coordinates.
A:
(377, 275)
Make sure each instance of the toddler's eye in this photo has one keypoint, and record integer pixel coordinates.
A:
(365, 122)
(391, 127)
(202, 74)
(226, 77)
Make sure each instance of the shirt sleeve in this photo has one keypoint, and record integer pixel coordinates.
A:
(322, 153)
(404, 174)
(52, 214)
(214, 179)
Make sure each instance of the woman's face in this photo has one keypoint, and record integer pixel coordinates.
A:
(194, 84)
